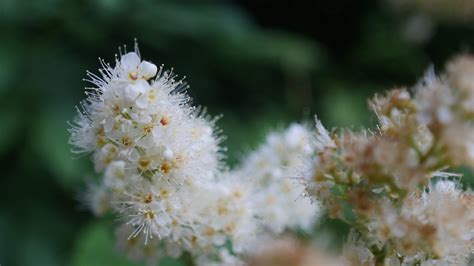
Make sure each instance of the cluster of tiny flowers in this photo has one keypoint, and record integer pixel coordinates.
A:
(160, 162)
(386, 177)
(160, 165)
(288, 250)
(437, 222)
(272, 170)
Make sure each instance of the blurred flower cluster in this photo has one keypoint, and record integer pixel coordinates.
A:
(161, 169)
(452, 10)
(394, 180)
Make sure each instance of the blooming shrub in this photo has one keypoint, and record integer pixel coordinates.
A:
(162, 174)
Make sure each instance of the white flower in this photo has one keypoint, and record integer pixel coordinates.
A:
(439, 222)
(97, 198)
(272, 169)
(228, 212)
(114, 176)
(453, 237)
(355, 251)
(135, 69)
(442, 108)
(434, 99)
(322, 137)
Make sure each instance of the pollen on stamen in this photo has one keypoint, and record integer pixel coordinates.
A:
(164, 193)
(116, 108)
(151, 96)
(133, 75)
(165, 168)
(148, 128)
(148, 198)
(164, 121)
(210, 231)
(149, 214)
(126, 141)
(144, 163)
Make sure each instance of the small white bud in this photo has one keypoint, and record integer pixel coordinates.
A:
(168, 154)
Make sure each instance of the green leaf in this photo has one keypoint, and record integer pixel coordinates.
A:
(96, 246)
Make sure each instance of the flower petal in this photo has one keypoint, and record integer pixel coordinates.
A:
(147, 69)
(130, 61)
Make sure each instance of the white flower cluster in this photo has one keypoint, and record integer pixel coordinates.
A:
(400, 214)
(445, 106)
(440, 221)
(160, 161)
(160, 165)
(451, 239)
(273, 171)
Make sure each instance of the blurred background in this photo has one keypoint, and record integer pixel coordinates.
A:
(259, 63)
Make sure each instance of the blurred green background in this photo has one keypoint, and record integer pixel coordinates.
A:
(259, 63)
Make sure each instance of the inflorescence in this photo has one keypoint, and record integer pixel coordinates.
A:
(161, 168)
